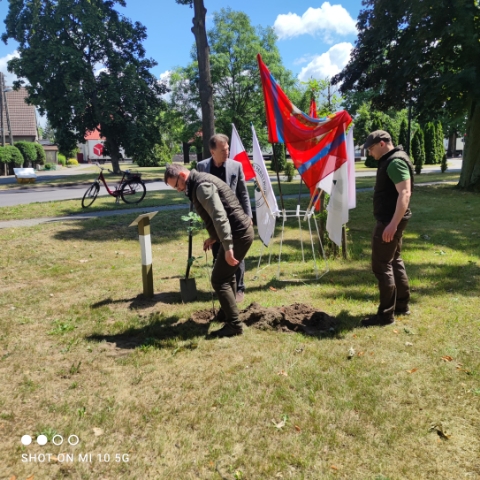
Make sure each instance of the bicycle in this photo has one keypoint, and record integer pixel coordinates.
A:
(130, 188)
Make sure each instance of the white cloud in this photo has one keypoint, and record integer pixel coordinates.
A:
(9, 77)
(327, 64)
(328, 20)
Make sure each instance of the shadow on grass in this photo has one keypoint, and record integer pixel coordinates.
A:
(160, 333)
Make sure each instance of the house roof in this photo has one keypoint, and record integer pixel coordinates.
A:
(23, 118)
(95, 135)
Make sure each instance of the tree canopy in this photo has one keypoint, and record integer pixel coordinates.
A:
(237, 93)
(86, 68)
(426, 53)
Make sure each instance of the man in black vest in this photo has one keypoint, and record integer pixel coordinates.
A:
(231, 172)
(391, 199)
(226, 223)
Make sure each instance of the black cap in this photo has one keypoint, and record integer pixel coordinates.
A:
(376, 137)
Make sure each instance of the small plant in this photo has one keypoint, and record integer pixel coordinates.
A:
(195, 224)
(289, 171)
(62, 161)
(444, 165)
(72, 162)
(50, 166)
(193, 165)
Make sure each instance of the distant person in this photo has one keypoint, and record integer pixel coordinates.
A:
(391, 199)
(231, 172)
(227, 224)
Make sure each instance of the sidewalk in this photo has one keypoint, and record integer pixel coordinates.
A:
(88, 216)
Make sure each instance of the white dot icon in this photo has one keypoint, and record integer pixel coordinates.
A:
(42, 440)
(26, 440)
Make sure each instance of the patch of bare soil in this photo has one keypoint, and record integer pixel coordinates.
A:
(290, 318)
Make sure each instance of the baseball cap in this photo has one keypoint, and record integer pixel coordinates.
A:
(376, 137)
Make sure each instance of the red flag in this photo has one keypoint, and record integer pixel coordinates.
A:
(316, 145)
(238, 153)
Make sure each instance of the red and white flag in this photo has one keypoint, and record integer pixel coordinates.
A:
(238, 153)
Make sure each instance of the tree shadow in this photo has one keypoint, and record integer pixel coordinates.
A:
(159, 332)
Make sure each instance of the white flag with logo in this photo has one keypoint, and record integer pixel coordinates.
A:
(342, 194)
(265, 203)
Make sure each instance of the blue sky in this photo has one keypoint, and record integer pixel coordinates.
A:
(315, 37)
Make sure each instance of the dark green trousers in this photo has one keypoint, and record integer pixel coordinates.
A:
(223, 276)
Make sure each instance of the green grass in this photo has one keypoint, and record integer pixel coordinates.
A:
(81, 354)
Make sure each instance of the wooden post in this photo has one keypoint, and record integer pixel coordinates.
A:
(143, 223)
(344, 242)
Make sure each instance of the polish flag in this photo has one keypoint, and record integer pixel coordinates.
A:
(238, 153)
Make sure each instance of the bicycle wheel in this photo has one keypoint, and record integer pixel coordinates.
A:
(133, 191)
(90, 195)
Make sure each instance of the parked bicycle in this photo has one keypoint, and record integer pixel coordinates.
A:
(130, 188)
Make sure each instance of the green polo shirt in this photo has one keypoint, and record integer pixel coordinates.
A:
(398, 171)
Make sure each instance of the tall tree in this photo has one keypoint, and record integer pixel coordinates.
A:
(237, 87)
(238, 97)
(204, 78)
(430, 144)
(425, 52)
(418, 150)
(440, 149)
(86, 68)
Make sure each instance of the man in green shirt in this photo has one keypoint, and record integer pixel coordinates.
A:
(391, 199)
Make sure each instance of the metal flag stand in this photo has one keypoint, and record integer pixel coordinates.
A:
(302, 216)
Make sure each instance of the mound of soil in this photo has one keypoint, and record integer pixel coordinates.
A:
(290, 318)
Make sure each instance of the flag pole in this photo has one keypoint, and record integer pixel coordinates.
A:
(262, 192)
(278, 177)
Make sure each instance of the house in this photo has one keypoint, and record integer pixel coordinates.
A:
(93, 148)
(51, 151)
(23, 118)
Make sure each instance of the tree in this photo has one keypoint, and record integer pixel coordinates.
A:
(430, 144)
(426, 53)
(440, 149)
(85, 67)
(41, 156)
(28, 151)
(238, 93)
(403, 136)
(418, 150)
(205, 86)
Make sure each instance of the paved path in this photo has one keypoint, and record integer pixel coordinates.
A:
(23, 196)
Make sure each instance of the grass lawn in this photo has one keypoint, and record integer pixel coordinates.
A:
(81, 354)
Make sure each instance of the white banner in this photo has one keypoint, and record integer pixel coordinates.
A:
(266, 203)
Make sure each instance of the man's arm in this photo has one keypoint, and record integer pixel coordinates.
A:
(207, 195)
(404, 193)
(242, 191)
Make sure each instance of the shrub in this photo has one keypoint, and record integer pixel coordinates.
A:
(50, 166)
(289, 171)
(11, 156)
(163, 154)
(72, 161)
(193, 165)
(418, 150)
(444, 165)
(41, 157)
(279, 160)
(62, 160)
(28, 151)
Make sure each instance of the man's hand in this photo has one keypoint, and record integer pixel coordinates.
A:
(230, 259)
(207, 244)
(389, 233)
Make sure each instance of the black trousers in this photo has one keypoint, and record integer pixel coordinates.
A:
(388, 267)
(223, 276)
(239, 274)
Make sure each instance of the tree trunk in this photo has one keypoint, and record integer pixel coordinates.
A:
(470, 174)
(205, 84)
(113, 150)
(186, 153)
(452, 145)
